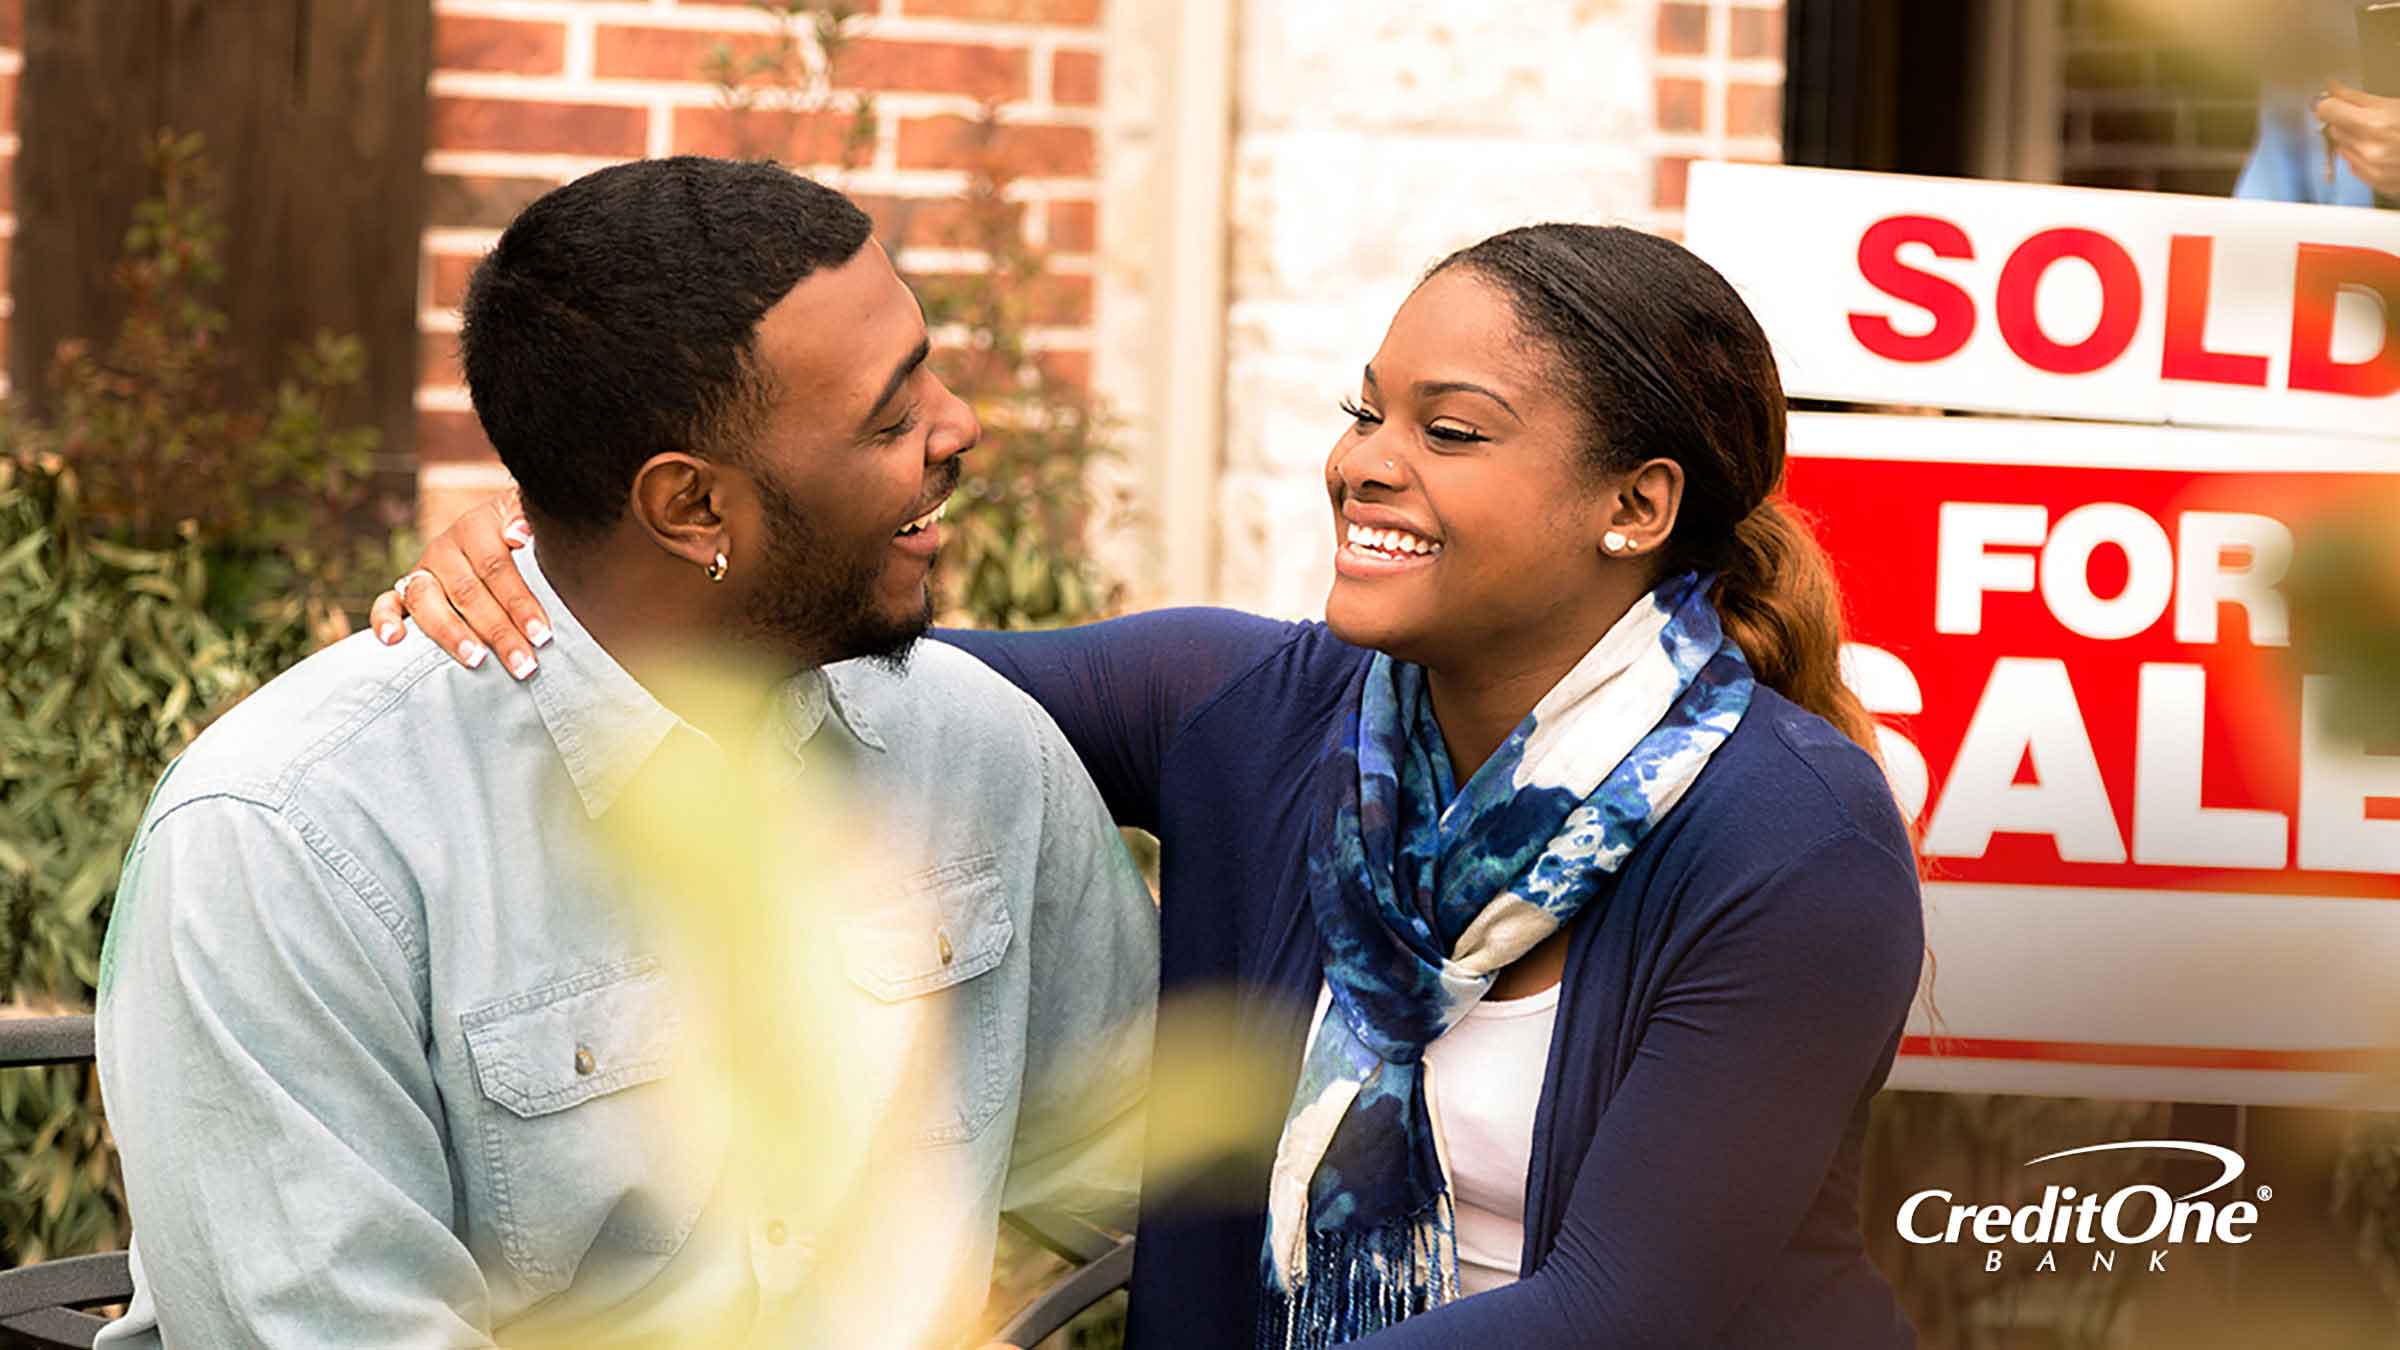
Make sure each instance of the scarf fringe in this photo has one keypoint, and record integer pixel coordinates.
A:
(1357, 1283)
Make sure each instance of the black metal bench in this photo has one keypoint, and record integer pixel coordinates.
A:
(44, 1305)
(1103, 1265)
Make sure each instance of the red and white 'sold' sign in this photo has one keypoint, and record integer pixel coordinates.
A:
(2157, 871)
(2126, 306)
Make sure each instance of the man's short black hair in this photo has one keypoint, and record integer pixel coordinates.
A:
(615, 319)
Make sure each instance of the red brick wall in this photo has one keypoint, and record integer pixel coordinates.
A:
(1716, 90)
(527, 94)
(2144, 110)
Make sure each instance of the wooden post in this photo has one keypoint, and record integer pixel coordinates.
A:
(314, 114)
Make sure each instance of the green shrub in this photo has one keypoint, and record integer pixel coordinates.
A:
(163, 551)
(1018, 552)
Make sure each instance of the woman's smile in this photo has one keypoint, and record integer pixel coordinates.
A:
(1374, 542)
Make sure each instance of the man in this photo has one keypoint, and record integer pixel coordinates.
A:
(384, 1021)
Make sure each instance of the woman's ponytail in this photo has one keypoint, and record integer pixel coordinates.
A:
(1780, 604)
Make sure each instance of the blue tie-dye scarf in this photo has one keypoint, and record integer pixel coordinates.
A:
(1423, 893)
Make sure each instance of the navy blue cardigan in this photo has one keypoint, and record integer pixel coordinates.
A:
(1722, 1024)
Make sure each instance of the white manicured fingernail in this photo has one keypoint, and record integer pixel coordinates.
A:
(521, 664)
(390, 633)
(472, 653)
(518, 533)
(538, 633)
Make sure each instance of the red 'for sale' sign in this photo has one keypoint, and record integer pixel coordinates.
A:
(2156, 870)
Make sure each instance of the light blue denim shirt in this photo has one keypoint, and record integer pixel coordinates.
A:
(2288, 163)
(376, 1014)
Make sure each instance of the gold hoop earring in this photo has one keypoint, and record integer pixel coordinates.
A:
(716, 569)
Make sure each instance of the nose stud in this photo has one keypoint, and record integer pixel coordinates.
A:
(1615, 542)
(1391, 464)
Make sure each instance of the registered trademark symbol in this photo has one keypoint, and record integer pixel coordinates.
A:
(2266, 1192)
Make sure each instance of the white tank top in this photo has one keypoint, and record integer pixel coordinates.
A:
(1484, 1081)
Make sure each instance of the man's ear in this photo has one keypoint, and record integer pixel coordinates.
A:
(679, 500)
(1641, 509)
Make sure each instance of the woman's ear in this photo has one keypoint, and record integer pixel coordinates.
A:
(1642, 509)
(679, 501)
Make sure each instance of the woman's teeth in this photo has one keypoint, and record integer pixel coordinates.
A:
(1390, 544)
(917, 525)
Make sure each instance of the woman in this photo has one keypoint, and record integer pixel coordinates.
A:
(1568, 775)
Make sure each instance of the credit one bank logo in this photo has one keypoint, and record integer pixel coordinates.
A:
(2144, 1217)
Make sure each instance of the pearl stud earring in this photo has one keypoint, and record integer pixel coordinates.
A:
(1615, 542)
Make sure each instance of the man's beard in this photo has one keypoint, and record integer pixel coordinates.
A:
(805, 600)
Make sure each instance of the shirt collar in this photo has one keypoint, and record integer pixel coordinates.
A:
(607, 726)
(841, 693)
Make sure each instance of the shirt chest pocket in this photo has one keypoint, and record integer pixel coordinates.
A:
(932, 956)
(584, 1154)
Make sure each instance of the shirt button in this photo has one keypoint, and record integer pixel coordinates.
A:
(584, 1063)
(776, 1232)
(941, 942)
